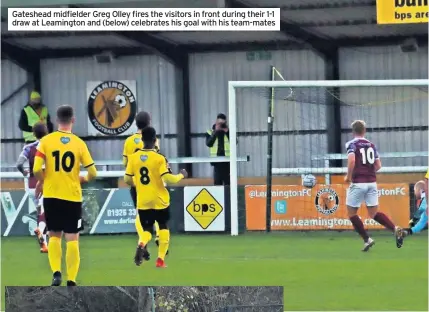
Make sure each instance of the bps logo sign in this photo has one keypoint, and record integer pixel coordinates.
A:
(204, 209)
(111, 107)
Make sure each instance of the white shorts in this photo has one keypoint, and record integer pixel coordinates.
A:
(362, 192)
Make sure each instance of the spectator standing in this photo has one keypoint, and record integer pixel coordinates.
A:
(31, 114)
(217, 140)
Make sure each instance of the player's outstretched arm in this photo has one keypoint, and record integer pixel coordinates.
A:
(170, 178)
(91, 173)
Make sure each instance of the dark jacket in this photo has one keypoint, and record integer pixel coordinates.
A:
(220, 135)
(24, 126)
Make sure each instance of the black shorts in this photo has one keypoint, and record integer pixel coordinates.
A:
(133, 193)
(63, 215)
(149, 216)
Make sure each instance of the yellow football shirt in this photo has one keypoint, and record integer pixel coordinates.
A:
(147, 168)
(63, 154)
(427, 174)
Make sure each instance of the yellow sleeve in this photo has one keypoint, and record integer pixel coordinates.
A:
(85, 157)
(166, 175)
(427, 174)
(172, 178)
(125, 153)
(129, 173)
(164, 167)
(39, 160)
(87, 162)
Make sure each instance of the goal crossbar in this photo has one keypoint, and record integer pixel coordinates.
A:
(232, 85)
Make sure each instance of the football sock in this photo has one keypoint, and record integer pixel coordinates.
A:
(55, 254)
(42, 227)
(146, 237)
(139, 228)
(72, 260)
(156, 229)
(164, 241)
(384, 220)
(358, 226)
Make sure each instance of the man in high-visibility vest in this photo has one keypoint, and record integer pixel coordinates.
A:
(217, 140)
(31, 114)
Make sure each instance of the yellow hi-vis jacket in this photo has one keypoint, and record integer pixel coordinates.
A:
(213, 149)
(33, 118)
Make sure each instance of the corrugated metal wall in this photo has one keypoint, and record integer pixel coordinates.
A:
(387, 107)
(64, 82)
(12, 77)
(209, 76)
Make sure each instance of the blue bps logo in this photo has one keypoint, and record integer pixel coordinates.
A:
(280, 206)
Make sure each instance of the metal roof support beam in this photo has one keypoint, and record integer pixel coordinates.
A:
(326, 6)
(422, 40)
(87, 52)
(316, 43)
(152, 43)
(243, 46)
(356, 22)
(24, 59)
(333, 106)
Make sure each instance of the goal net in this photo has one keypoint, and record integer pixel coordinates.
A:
(290, 129)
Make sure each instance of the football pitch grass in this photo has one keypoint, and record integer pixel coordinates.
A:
(319, 270)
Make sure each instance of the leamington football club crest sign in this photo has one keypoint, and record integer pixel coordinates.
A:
(112, 107)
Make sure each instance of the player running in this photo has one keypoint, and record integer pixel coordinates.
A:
(420, 221)
(63, 153)
(28, 153)
(363, 162)
(147, 170)
(132, 144)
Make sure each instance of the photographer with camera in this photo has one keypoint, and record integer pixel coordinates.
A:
(217, 139)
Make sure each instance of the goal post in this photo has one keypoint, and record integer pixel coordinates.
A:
(272, 86)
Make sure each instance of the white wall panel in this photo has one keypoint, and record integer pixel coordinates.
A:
(384, 107)
(209, 76)
(9, 153)
(12, 77)
(64, 82)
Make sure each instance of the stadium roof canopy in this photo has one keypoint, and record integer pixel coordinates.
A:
(322, 25)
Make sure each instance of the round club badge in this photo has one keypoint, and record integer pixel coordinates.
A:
(326, 201)
(112, 107)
